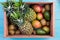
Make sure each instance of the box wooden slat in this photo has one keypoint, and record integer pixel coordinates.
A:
(32, 36)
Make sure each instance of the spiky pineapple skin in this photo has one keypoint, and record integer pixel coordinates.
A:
(26, 28)
(30, 14)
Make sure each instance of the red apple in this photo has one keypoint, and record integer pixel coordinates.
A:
(39, 16)
(36, 24)
(37, 8)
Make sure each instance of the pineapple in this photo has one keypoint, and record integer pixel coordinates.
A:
(26, 28)
(19, 15)
(30, 14)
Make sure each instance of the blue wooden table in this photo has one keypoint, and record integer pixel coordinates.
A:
(57, 21)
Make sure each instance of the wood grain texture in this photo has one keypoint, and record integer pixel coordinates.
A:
(5, 25)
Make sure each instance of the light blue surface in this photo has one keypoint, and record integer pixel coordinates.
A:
(57, 21)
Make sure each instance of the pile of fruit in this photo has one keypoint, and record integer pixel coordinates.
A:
(28, 19)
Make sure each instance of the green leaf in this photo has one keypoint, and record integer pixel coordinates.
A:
(20, 2)
(5, 4)
(16, 4)
(18, 13)
(15, 14)
(12, 16)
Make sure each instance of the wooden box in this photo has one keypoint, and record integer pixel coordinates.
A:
(32, 36)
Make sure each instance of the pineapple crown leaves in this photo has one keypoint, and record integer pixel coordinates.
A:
(17, 4)
(11, 5)
(24, 8)
(20, 5)
(20, 2)
(16, 18)
(15, 15)
(12, 2)
(5, 4)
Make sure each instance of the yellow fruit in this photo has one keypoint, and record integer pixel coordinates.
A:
(43, 22)
(45, 28)
(43, 10)
(17, 32)
(12, 32)
(47, 7)
(11, 27)
(36, 24)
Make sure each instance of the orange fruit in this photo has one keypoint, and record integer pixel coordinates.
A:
(36, 24)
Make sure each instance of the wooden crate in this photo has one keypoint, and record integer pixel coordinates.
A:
(32, 36)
